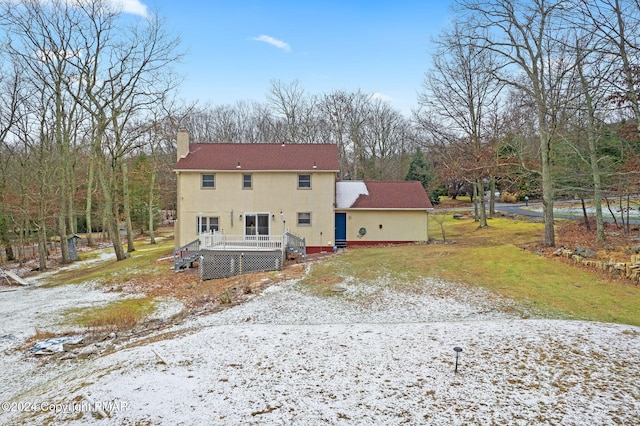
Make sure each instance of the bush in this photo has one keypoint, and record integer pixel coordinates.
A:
(507, 197)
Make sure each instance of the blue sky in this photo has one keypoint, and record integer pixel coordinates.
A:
(236, 48)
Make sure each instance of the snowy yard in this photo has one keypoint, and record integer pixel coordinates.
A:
(369, 355)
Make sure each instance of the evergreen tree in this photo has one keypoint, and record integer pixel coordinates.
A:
(422, 171)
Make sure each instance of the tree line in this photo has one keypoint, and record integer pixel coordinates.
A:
(536, 97)
(81, 84)
(542, 94)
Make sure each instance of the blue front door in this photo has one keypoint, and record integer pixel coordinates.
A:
(341, 229)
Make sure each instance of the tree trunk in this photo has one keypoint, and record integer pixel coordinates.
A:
(593, 153)
(622, 218)
(475, 201)
(480, 202)
(548, 190)
(492, 197)
(73, 223)
(111, 214)
(127, 206)
(150, 207)
(8, 251)
(597, 183)
(613, 215)
(62, 233)
(42, 237)
(6, 242)
(628, 226)
(585, 215)
(87, 211)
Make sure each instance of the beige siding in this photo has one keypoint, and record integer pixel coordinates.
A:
(387, 225)
(273, 193)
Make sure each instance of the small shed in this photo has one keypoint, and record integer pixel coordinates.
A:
(72, 242)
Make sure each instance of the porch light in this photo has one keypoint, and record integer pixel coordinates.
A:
(273, 217)
(240, 215)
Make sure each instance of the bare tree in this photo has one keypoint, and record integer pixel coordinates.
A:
(592, 71)
(119, 73)
(530, 39)
(347, 114)
(615, 25)
(387, 142)
(287, 101)
(41, 40)
(10, 99)
(459, 92)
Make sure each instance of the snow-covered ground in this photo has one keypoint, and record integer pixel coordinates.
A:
(372, 354)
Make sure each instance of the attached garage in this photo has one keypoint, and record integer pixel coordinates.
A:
(379, 212)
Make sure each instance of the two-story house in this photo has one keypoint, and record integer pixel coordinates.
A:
(256, 191)
(254, 198)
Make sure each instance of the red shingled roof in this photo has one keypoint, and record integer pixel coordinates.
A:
(259, 156)
(393, 195)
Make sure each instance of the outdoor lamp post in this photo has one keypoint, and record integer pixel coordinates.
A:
(458, 349)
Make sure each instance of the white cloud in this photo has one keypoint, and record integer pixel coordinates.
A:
(381, 97)
(134, 7)
(274, 42)
(54, 56)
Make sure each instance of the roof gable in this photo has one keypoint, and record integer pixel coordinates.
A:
(234, 156)
(381, 195)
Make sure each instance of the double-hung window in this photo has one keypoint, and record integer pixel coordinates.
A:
(304, 219)
(304, 181)
(247, 181)
(207, 224)
(208, 181)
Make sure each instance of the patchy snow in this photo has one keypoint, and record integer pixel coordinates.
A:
(347, 192)
(165, 309)
(27, 308)
(372, 354)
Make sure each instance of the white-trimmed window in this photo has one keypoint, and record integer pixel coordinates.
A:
(247, 181)
(304, 181)
(208, 181)
(207, 224)
(304, 219)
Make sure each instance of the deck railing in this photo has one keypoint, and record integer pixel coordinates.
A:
(186, 254)
(296, 244)
(219, 241)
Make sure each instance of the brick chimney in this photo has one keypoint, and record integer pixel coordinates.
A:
(183, 143)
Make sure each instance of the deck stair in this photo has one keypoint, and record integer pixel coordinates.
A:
(296, 246)
(183, 257)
